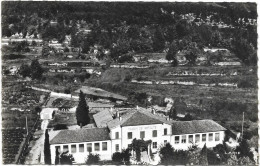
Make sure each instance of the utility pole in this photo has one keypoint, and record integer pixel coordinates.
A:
(242, 126)
(26, 125)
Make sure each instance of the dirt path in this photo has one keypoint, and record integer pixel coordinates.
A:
(35, 153)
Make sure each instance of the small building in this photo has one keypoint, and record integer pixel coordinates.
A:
(47, 113)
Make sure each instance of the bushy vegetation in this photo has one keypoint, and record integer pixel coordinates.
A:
(65, 159)
(122, 157)
(93, 159)
(219, 155)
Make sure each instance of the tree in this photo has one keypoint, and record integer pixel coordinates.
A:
(191, 56)
(203, 156)
(212, 158)
(93, 159)
(126, 156)
(193, 155)
(158, 40)
(34, 43)
(36, 70)
(187, 117)
(221, 151)
(25, 70)
(45, 49)
(47, 151)
(244, 149)
(166, 154)
(139, 145)
(82, 111)
(66, 158)
(57, 157)
(171, 54)
(244, 51)
(173, 113)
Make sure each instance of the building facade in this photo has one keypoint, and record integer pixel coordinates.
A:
(119, 132)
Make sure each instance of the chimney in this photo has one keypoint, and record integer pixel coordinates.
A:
(120, 118)
(137, 107)
(117, 114)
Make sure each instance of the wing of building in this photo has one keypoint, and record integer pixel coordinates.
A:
(114, 134)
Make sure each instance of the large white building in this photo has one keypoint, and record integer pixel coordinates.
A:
(117, 134)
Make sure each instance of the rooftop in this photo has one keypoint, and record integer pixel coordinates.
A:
(81, 135)
(102, 118)
(195, 126)
(134, 117)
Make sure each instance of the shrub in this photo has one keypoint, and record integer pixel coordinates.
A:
(117, 157)
(67, 91)
(66, 158)
(66, 49)
(6, 72)
(93, 159)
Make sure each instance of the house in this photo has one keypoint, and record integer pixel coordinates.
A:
(118, 133)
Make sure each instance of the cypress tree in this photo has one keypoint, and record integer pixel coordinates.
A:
(82, 111)
(47, 151)
(204, 156)
(36, 69)
(173, 113)
(57, 157)
(158, 40)
(171, 54)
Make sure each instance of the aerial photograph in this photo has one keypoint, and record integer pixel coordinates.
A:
(129, 83)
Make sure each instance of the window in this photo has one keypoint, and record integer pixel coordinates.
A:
(117, 135)
(191, 139)
(165, 142)
(165, 131)
(117, 147)
(104, 146)
(154, 133)
(154, 145)
(210, 136)
(58, 148)
(204, 137)
(73, 149)
(197, 138)
(129, 146)
(81, 147)
(177, 139)
(89, 147)
(142, 134)
(65, 148)
(183, 139)
(216, 136)
(129, 135)
(97, 148)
